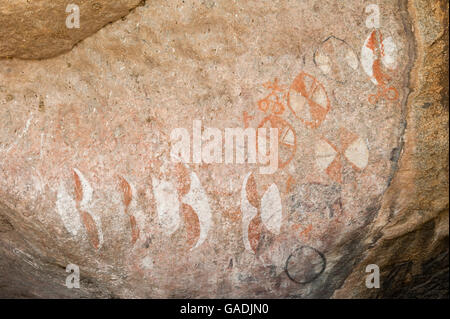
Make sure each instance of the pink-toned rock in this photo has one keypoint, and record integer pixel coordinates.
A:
(87, 176)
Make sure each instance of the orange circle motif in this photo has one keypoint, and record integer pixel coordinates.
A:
(287, 139)
(308, 100)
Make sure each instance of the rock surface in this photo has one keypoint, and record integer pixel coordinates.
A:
(36, 29)
(87, 178)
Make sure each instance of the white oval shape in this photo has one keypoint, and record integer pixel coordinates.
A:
(300, 105)
(367, 60)
(197, 199)
(271, 209)
(87, 190)
(320, 97)
(248, 213)
(167, 205)
(325, 154)
(98, 224)
(336, 59)
(323, 62)
(358, 153)
(352, 59)
(67, 210)
(389, 58)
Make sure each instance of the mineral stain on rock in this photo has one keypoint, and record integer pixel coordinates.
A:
(5, 224)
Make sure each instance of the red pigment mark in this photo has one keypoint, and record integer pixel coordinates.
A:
(91, 228)
(134, 229)
(86, 218)
(247, 119)
(371, 44)
(310, 92)
(254, 232)
(183, 179)
(255, 225)
(377, 47)
(192, 225)
(305, 233)
(390, 94)
(252, 192)
(334, 170)
(287, 139)
(346, 137)
(289, 183)
(127, 197)
(126, 189)
(272, 102)
(78, 188)
(382, 78)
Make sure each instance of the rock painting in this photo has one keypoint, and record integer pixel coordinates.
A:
(187, 197)
(259, 213)
(330, 158)
(378, 57)
(68, 208)
(336, 59)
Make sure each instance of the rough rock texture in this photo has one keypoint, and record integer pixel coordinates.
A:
(36, 29)
(409, 238)
(86, 175)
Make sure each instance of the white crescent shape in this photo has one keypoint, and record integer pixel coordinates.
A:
(248, 213)
(98, 223)
(67, 209)
(167, 205)
(197, 199)
(390, 53)
(367, 59)
(325, 154)
(87, 190)
(271, 209)
(358, 153)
